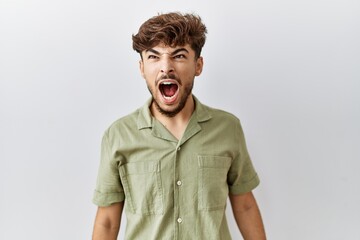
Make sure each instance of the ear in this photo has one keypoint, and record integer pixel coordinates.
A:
(199, 66)
(141, 67)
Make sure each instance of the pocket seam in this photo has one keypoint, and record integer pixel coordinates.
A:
(155, 169)
(210, 162)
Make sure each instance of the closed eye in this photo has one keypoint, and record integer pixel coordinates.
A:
(179, 56)
(152, 57)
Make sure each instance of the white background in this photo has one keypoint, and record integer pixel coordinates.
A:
(290, 70)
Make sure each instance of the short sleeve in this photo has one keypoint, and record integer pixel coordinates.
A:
(242, 176)
(108, 189)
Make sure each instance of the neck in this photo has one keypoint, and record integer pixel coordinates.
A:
(176, 124)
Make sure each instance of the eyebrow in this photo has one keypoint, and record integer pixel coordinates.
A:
(176, 51)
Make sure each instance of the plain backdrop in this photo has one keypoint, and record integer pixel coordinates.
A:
(290, 70)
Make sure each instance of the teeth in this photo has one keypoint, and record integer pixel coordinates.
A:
(168, 97)
(167, 83)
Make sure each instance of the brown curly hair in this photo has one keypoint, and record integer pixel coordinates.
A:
(172, 29)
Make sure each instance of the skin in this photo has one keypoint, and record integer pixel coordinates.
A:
(247, 216)
(174, 64)
(178, 65)
(107, 222)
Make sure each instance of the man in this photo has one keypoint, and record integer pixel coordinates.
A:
(173, 162)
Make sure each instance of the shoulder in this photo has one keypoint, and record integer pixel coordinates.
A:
(128, 122)
(224, 114)
(225, 123)
(221, 115)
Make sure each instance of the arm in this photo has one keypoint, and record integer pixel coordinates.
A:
(247, 216)
(107, 222)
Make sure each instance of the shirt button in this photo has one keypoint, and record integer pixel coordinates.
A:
(178, 148)
(178, 183)
(179, 220)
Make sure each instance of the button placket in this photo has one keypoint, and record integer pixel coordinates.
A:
(177, 191)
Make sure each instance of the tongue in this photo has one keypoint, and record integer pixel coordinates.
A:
(169, 90)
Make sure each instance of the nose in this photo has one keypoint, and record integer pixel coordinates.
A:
(166, 65)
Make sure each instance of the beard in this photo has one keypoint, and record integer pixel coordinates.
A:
(187, 92)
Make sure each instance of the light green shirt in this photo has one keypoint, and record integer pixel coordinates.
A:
(174, 189)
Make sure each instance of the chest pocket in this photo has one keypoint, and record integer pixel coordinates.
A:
(142, 186)
(213, 189)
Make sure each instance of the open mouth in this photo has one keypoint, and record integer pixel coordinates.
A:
(169, 89)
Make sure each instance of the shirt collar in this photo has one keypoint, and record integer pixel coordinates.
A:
(145, 120)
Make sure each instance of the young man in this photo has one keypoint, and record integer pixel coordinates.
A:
(173, 162)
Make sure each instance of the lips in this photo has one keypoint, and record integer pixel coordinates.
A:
(169, 89)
